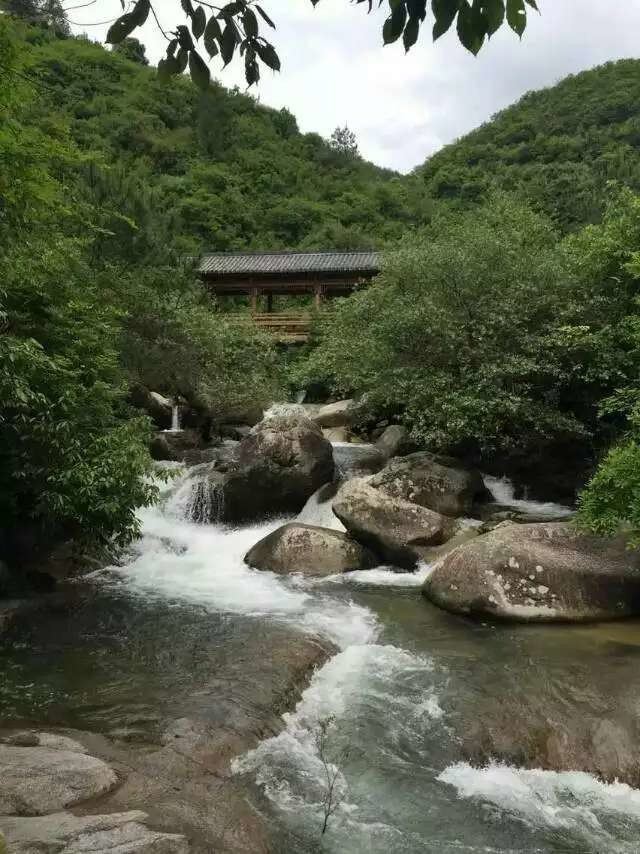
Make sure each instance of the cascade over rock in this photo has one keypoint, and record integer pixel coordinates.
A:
(309, 550)
(437, 482)
(395, 529)
(539, 572)
(277, 467)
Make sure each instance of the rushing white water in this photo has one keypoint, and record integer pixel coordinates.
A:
(175, 418)
(379, 680)
(390, 711)
(383, 577)
(204, 565)
(503, 492)
(569, 800)
(319, 511)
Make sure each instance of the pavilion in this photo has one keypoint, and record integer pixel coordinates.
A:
(262, 275)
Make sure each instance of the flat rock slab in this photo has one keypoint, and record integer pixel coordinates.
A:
(40, 780)
(64, 833)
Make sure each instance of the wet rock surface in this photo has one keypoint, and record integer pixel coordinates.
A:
(539, 572)
(395, 441)
(395, 529)
(164, 698)
(309, 550)
(37, 780)
(124, 833)
(438, 483)
(342, 413)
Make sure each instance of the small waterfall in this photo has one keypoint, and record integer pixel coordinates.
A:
(503, 492)
(300, 396)
(206, 502)
(196, 497)
(175, 418)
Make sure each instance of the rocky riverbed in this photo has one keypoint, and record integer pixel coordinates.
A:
(174, 702)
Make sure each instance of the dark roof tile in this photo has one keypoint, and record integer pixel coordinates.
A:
(255, 263)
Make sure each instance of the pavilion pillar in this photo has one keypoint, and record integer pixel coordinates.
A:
(318, 294)
(253, 300)
(269, 302)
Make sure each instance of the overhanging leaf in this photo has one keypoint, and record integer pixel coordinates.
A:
(198, 22)
(251, 70)
(264, 16)
(120, 29)
(410, 34)
(212, 34)
(394, 25)
(517, 16)
(250, 23)
(188, 8)
(184, 37)
(417, 9)
(494, 14)
(470, 28)
(182, 58)
(228, 43)
(444, 12)
(198, 70)
(167, 68)
(268, 55)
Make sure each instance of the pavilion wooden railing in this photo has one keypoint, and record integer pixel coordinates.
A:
(288, 327)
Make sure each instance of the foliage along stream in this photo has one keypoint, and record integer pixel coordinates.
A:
(148, 638)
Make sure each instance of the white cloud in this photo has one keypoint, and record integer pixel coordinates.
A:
(403, 108)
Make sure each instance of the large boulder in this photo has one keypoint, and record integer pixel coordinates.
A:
(395, 441)
(342, 413)
(397, 530)
(178, 445)
(309, 550)
(541, 572)
(439, 483)
(157, 406)
(38, 779)
(122, 832)
(282, 462)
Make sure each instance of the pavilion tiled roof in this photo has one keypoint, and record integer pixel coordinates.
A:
(277, 263)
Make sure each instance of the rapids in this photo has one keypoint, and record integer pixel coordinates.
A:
(158, 634)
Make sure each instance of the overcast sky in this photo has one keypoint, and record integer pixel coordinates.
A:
(403, 108)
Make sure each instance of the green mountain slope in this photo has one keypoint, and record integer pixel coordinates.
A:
(235, 173)
(557, 147)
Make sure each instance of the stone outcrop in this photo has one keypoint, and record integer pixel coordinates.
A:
(342, 413)
(395, 441)
(439, 483)
(154, 404)
(122, 832)
(309, 550)
(395, 529)
(282, 462)
(45, 778)
(539, 572)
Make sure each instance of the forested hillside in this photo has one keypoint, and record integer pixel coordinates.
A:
(557, 147)
(234, 174)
